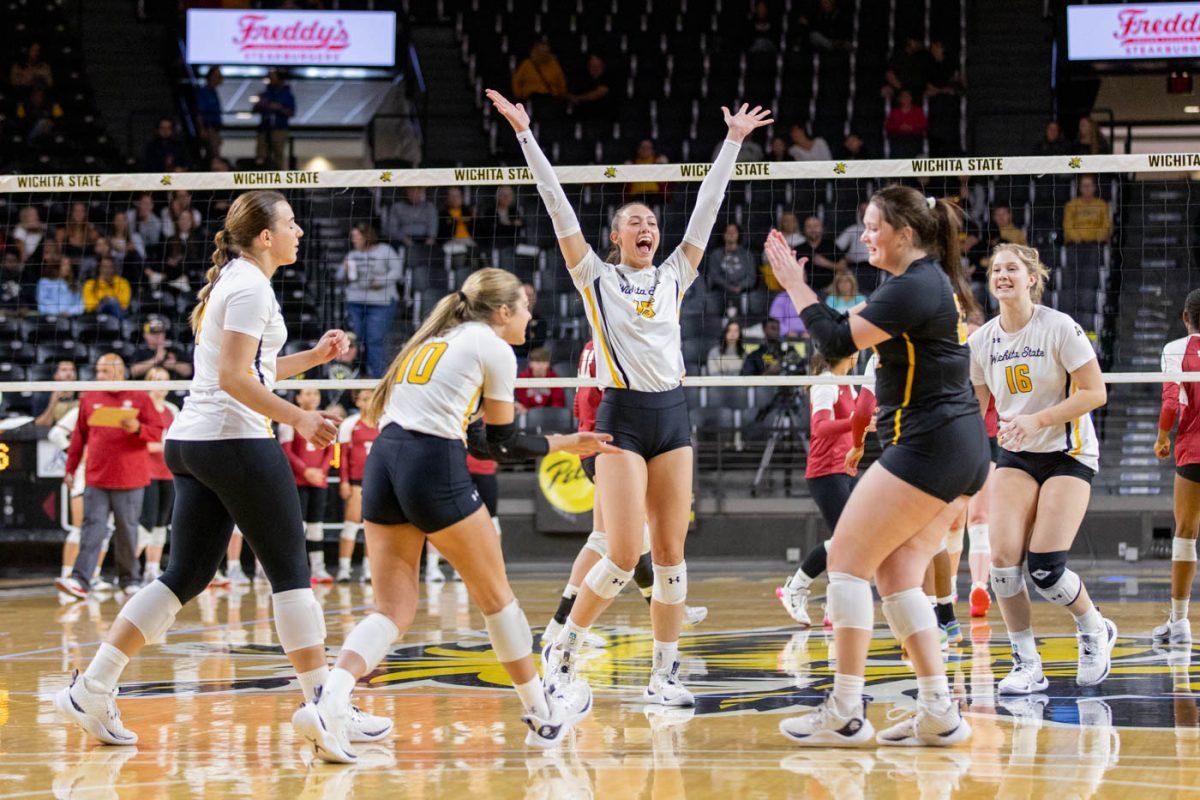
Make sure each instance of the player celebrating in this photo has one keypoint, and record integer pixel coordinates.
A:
(935, 451)
(355, 438)
(310, 469)
(1182, 355)
(227, 467)
(459, 360)
(1048, 456)
(633, 308)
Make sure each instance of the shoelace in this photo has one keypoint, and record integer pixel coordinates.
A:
(1088, 642)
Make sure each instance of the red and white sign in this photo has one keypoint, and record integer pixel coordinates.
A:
(291, 38)
(1133, 31)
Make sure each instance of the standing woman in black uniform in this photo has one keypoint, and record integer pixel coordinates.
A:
(935, 451)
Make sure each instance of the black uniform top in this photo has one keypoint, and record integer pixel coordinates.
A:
(924, 375)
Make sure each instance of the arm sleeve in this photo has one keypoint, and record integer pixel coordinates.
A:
(60, 434)
(1074, 348)
(499, 369)
(248, 310)
(864, 408)
(503, 443)
(711, 195)
(830, 330)
(1172, 361)
(561, 213)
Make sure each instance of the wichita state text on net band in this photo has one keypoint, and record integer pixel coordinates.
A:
(600, 174)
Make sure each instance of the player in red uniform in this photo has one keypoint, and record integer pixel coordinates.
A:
(160, 494)
(310, 467)
(1182, 401)
(354, 444)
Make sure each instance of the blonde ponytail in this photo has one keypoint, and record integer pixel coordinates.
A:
(482, 294)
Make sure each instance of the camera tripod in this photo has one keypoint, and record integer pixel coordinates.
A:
(784, 416)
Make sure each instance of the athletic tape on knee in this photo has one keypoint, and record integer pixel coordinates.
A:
(509, 631)
(978, 536)
(299, 622)
(349, 531)
(670, 584)
(158, 536)
(371, 639)
(152, 610)
(849, 600)
(1052, 579)
(1007, 581)
(606, 579)
(72, 535)
(313, 532)
(908, 612)
(954, 540)
(597, 542)
(1183, 549)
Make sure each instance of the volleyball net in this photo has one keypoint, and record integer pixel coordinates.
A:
(102, 263)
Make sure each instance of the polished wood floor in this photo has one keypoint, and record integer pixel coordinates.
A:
(212, 706)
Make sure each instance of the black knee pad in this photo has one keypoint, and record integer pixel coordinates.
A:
(1047, 568)
(643, 573)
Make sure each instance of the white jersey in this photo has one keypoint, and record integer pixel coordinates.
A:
(868, 383)
(634, 314)
(1029, 371)
(244, 301)
(441, 386)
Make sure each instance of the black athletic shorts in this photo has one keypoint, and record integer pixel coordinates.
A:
(312, 503)
(1189, 472)
(156, 504)
(646, 423)
(417, 478)
(947, 462)
(1044, 466)
(353, 482)
(589, 466)
(489, 490)
(994, 446)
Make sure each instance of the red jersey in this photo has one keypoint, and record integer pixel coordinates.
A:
(587, 398)
(116, 460)
(991, 419)
(478, 466)
(1182, 400)
(301, 454)
(830, 438)
(354, 444)
(541, 398)
(158, 466)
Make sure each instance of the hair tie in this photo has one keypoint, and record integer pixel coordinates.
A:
(931, 202)
(462, 296)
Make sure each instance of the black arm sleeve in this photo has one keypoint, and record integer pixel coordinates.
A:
(830, 331)
(503, 443)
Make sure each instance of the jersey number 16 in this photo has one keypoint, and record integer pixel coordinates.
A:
(1018, 379)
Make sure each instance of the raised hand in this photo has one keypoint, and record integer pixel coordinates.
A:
(788, 270)
(332, 344)
(745, 121)
(515, 114)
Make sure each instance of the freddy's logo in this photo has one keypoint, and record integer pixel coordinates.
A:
(254, 33)
(1142, 27)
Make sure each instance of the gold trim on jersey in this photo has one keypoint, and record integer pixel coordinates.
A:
(599, 329)
(908, 383)
(1076, 429)
(471, 406)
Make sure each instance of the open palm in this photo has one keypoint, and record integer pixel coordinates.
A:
(746, 120)
(514, 113)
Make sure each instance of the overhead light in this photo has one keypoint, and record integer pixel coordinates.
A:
(1191, 109)
(317, 164)
(254, 98)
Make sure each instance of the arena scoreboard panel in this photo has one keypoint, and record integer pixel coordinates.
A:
(18, 461)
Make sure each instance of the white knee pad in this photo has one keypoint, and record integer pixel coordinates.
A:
(313, 532)
(978, 535)
(908, 612)
(349, 531)
(645, 538)
(72, 535)
(509, 631)
(371, 639)
(152, 610)
(1064, 591)
(850, 602)
(606, 579)
(670, 584)
(299, 622)
(1183, 549)
(954, 540)
(1007, 581)
(158, 536)
(597, 542)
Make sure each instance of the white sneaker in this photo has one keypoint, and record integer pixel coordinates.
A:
(1027, 710)
(558, 669)
(795, 602)
(550, 633)
(343, 575)
(1025, 678)
(1095, 654)
(666, 690)
(101, 585)
(595, 641)
(325, 731)
(1177, 631)
(843, 775)
(73, 587)
(364, 727)
(926, 727)
(824, 727)
(321, 575)
(236, 575)
(95, 712)
(694, 615)
(548, 731)
(365, 575)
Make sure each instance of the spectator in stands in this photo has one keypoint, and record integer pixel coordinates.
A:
(164, 152)
(36, 115)
(906, 127)
(767, 358)
(144, 222)
(1053, 142)
(727, 356)
(33, 71)
(972, 199)
(29, 232)
(371, 272)
(821, 253)
(209, 121)
(909, 69)
(277, 106)
(77, 236)
(107, 292)
(126, 244)
(850, 244)
(413, 220)
(1086, 217)
(58, 291)
(179, 205)
(186, 256)
(783, 310)
(1002, 228)
(843, 291)
(751, 150)
(156, 351)
(853, 148)
(829, 26)
(764, 29)
(1090, 141)
(789, 226)
(539, 367)
(16, 292)
(50, 407)
(595, 101)
(806, 147)
(778, 150)
(535, 331)
(456, 225)
(647, 191)
(540, 76)
(944, 77)
(730, 268)
(503, 225)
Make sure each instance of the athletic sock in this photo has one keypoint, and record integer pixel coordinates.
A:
(572, 636)
(1026, 645)
(344, 564)
(338, 686)
(566, 603)
(151, 565)
(1179, 608)
(106, 668)
(65, 572)
(316, 560)
(533, 697)
(933, 692)
(1090, 621)
(945, 610)
(309, 681)
(665, 655)
(847, 692)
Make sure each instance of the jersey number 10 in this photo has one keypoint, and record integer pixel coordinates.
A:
(418, 368)
(1018, 379)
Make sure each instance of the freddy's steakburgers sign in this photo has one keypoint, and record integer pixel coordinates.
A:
(291, 38)
(1133, 31)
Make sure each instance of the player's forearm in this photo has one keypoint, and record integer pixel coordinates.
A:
(711, 195)
(258, 398)
(1075, 406)
(562, 216)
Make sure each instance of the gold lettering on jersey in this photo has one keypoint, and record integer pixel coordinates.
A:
(1024, 352)
(1191, 160)
(479, 174)
(645, 308)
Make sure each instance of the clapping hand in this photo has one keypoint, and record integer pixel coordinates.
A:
(788, 270)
